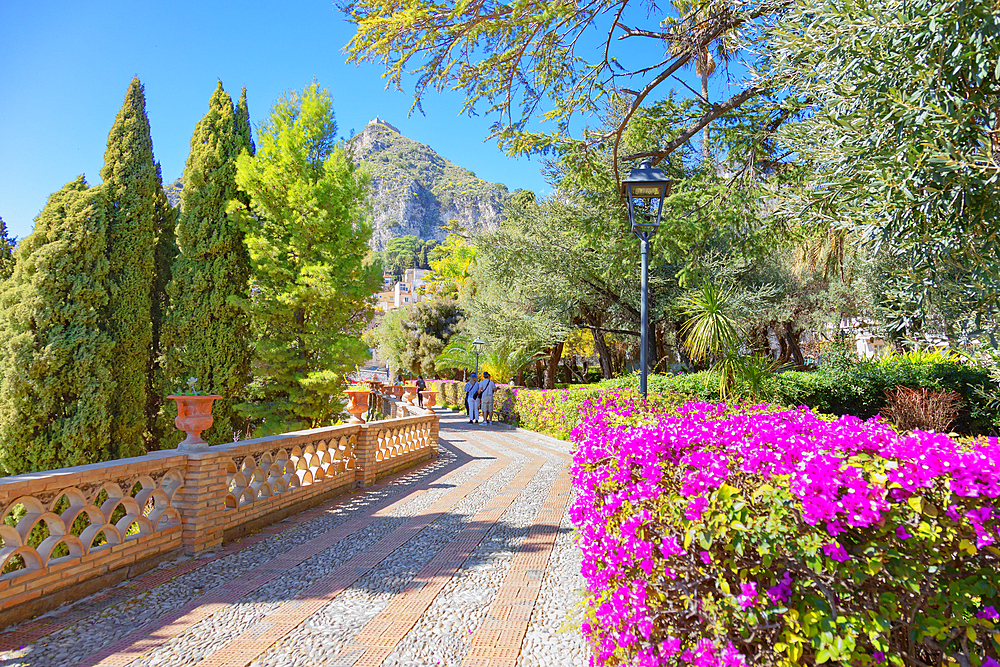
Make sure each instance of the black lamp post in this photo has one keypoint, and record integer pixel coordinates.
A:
(645, 188)
(477, 347)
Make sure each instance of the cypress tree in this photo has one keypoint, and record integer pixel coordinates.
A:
(210, 330)
(158, 425)
(243, 125)
(131, 184)
(6, 252)
(56, 382)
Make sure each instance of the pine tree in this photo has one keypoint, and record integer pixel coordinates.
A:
(7, 246)
(158, 425)
(311, 288)
(131, 186)
(210, 330)
(56, 378)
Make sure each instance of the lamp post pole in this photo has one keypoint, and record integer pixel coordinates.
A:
(477, 346)
(644, 310)
(644, 186)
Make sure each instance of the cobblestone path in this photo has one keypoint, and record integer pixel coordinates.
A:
(467, 561)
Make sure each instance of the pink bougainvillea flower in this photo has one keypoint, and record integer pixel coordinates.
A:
(902, 534)
(695, 508)
(988, 612)
(748, 595)
(836, 552)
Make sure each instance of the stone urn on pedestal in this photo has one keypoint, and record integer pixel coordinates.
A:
(411, 393)
(358, 405)
(430, 397)
(194, 415)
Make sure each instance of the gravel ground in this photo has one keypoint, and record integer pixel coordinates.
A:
(441, 637)
(325, 633)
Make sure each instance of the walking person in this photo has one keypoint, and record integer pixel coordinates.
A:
(485, 391)
(469, 387)
(421, 385)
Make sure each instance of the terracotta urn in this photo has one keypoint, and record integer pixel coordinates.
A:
(194, 415)
(359, 405)
(411, 393)
(397, 391)
(430, 397)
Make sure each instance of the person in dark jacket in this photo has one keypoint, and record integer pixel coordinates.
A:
(421, 386)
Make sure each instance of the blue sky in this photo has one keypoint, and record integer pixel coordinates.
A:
(66, 67)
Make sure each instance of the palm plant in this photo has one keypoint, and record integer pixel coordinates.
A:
(753, 372)
(501, 360)
(711, 330)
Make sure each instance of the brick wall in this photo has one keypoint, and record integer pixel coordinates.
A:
(66, 531)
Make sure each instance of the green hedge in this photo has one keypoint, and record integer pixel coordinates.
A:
(847, 387)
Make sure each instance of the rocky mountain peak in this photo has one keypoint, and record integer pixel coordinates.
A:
(416, 191)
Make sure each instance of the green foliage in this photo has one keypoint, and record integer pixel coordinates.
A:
(7, 246)
(132, 186)
(522, 60)
(710, 331)
(899, 137)
(209, 335)
(846, 385)
(406, 252)
(159, 424)
(555, 412)
(410, 339)
(57, 360)
(310, 288)
(502, 360)
(450, 265)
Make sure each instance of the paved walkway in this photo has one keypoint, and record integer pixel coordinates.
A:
(467, 561)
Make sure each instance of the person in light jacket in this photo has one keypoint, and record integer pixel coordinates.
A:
(470, 387)
(485, 390)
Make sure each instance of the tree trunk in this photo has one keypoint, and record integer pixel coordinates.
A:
(784, 353)
(651, 352)
(704, 133)
(539, 374)
(553, 366)
(604, 354)
(792, 335)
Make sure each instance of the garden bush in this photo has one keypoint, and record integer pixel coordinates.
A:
(912, 408)
(846, 385)
(717, 535)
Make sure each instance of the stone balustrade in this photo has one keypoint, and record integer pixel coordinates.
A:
(70, 532)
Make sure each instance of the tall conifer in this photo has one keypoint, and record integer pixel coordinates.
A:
(158, 425)
(6, 252)
(56, 382)
(243, 122)
(131, 183)
(210, 331)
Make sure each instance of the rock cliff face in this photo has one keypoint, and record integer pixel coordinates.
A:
(416, 191)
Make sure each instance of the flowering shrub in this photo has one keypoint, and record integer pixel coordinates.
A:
(719, 535)
(554, 412)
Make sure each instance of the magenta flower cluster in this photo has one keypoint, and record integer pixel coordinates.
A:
(844, 475)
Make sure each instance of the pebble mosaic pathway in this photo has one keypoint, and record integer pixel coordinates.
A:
(467, 561)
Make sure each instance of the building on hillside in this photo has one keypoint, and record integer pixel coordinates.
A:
(404, 292)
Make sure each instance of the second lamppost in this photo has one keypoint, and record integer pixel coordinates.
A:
(477, 347)
(645, 188)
